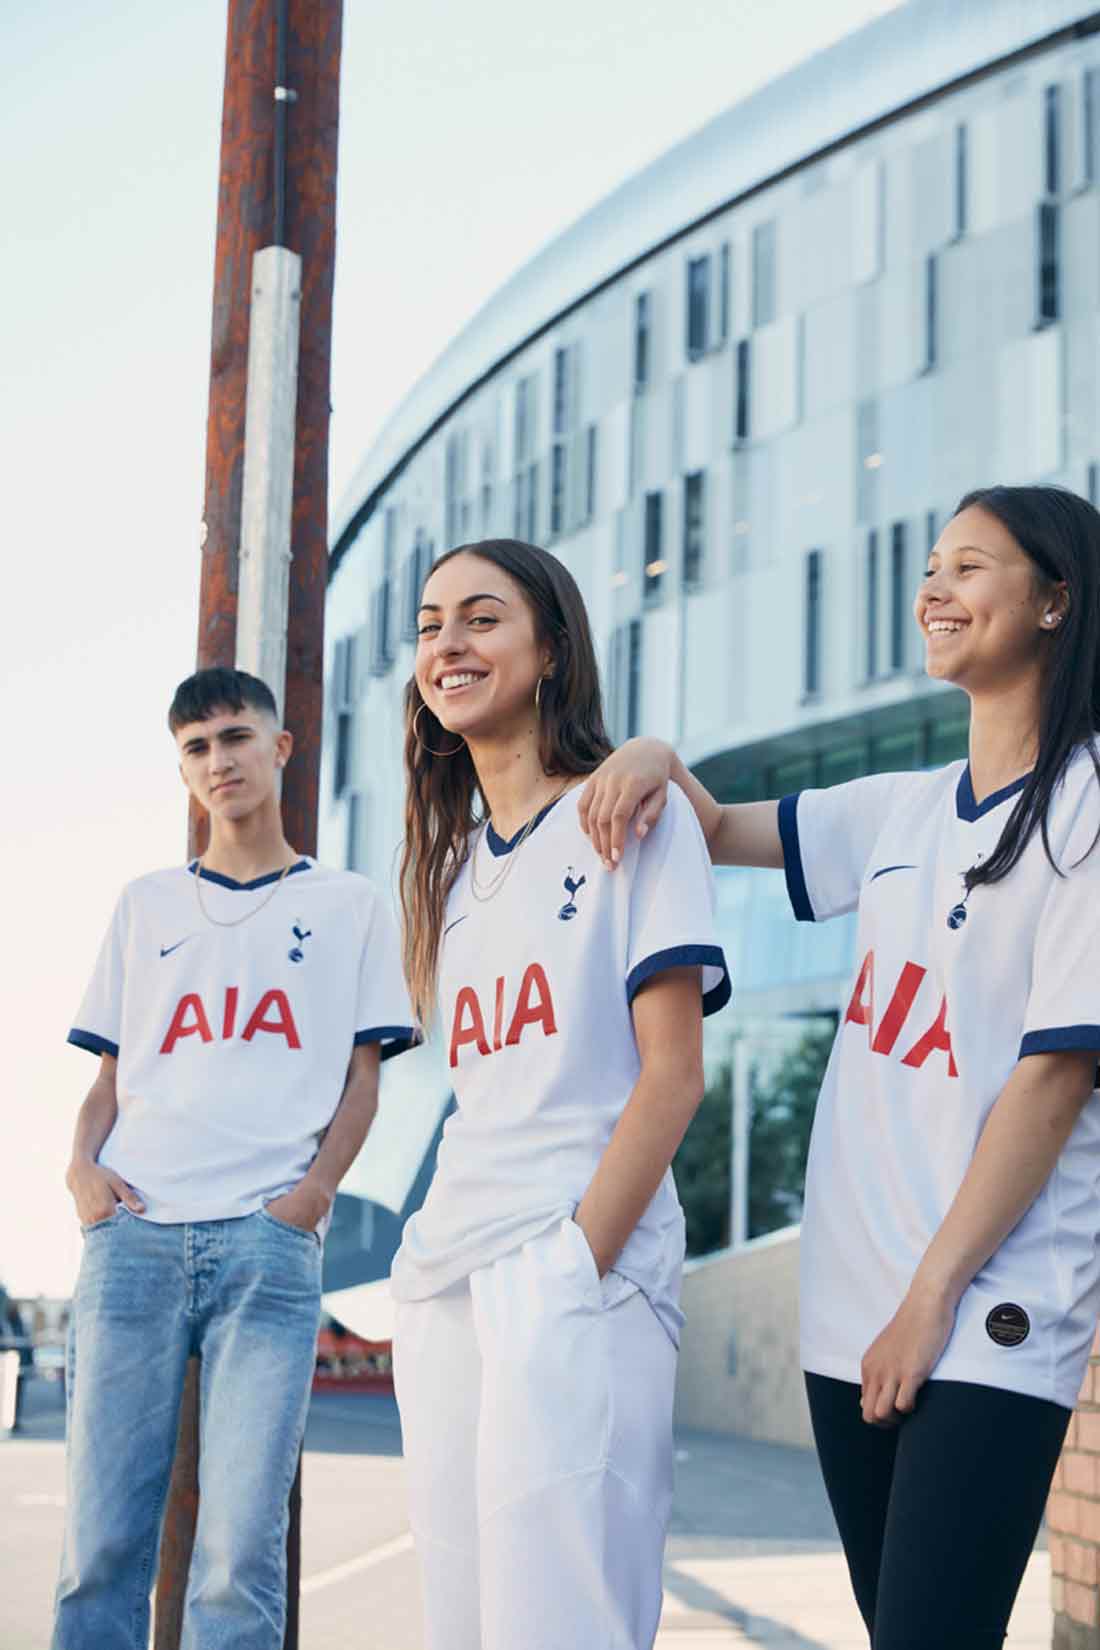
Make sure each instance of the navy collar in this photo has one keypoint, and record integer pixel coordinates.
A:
(969, 809)
(497, 845)
(246, 887)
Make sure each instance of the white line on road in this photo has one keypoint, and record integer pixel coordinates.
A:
(353, 1566)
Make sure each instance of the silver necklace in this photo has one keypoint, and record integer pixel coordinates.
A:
(256, 909)
(486, 890)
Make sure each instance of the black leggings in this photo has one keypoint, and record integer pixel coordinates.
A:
(938, 1516)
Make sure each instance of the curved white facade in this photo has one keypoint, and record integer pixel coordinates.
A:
(737, 398)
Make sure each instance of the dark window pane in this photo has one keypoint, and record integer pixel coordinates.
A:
(931, 307)
(899, 595)
(561, 391)
(557, 488)
(961, 180)
(871, 659)
(641, 340)
(634, 679)
(1052, 139)
(742, 391)
(1049, 274)
(694, 494)
(811, 666)
(698, 299)
(653, 562)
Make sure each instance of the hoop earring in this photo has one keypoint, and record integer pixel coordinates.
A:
(538, 693)
(416, 735)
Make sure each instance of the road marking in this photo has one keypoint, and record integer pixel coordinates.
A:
(354, 1566)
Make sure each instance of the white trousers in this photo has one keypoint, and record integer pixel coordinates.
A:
(537, 1425)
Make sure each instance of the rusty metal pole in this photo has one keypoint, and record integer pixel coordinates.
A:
(259, 201)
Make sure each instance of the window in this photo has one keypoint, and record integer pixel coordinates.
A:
(763, 274)
(564, 513)
(524, 421)
(961, 181)
(931, 531)
(455, 515)
(1092, 484)
(694, 529)
(698, 307)
(931, 308)
(343, 698)
(590, 455)
(651, 559)
(525, 469)
(637, 452)
(381, 623)
(1090, 124)
(811, 641)
(626, 669)
(724, 292)
(871, 591)
(1052, 139)
(418, 564)
(351, 852)
(899, 595)
(643, 304)
(742, 391)
(557, 489)
(1048, 275)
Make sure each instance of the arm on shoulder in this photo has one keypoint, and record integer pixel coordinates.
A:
(631, 789)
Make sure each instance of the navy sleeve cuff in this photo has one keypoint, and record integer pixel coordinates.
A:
(92, 1042)
(792, 860)
(1061, 1040)
(394, 1039)
(685, 956)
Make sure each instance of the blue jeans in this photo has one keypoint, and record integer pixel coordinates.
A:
(245, 1296)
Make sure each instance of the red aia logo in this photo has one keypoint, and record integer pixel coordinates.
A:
(272, 1013)
(534, 1006)
(861, 1011)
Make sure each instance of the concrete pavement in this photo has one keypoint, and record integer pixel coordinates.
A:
(752, 1558)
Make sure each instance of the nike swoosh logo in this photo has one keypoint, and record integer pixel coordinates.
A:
(886, 869)
(166, 950)
(456, 922)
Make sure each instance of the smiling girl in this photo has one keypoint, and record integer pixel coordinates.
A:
(537, 1288)
(951, 1237)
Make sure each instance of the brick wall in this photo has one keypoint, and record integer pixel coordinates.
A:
(1073, 1520)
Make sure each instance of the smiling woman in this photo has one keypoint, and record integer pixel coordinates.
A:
(950, 1247)
(538, 1287)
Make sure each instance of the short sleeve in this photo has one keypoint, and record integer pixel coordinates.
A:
(99, 1018)
(1063, 1006)
(382, 1013)
(828, 837)
(671, 916)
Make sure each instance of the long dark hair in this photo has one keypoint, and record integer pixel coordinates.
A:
(441, 791)
(1060, 534)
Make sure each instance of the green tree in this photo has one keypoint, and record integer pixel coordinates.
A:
(779, 1134)
(702, 1169)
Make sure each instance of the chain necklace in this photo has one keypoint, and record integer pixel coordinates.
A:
(486, 890)
(256, 909)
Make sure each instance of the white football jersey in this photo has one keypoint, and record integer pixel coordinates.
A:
(233, 1043)
(535, 988)
(951, 990)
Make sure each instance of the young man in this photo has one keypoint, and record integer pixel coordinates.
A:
(240, 1007)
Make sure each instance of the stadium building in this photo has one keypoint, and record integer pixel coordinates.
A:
(738, 398)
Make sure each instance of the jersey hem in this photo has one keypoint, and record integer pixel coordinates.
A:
(840, 1369)
(394, 1039)
(1061, 1039)
(92, 1041)
(793, 869)
(685, 956)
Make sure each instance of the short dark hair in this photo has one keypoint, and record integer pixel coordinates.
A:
(200, 696)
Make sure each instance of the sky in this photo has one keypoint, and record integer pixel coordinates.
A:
(470, 135)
